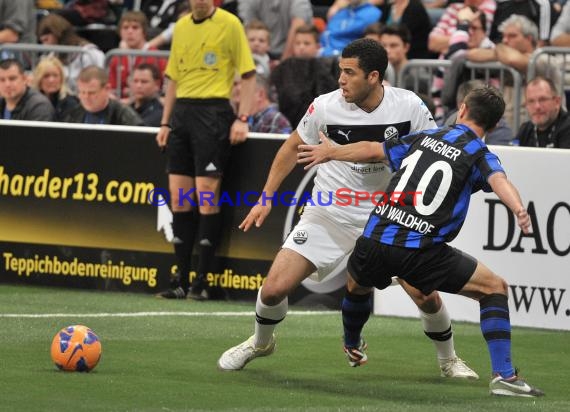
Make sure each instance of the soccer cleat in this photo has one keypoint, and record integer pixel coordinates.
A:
(234, 359)
(177, 293)
(456, 368)
(199, 296)
(514, 386)
(357, 356)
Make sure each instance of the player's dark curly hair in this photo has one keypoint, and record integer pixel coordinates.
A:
(371, 56)
(486, 106)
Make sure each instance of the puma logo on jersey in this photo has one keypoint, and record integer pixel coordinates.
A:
(345, 134)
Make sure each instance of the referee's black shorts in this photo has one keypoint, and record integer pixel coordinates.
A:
(439, 267)
(199, 143)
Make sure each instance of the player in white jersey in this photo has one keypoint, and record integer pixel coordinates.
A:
(361, 109)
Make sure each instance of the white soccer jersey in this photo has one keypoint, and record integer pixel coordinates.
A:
(401, 112)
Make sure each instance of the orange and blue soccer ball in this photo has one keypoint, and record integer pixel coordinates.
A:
(76, 348)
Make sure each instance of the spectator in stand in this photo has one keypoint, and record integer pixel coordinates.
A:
(560, 35)
(396, 40)
(17, 21)
(540, 12)
(267, 118)
(17, 100)
(339, 4)
(49, 79)
(470, 34)
(520, 37)
(133, 28)
(258, 36)
(412, 15)
(502, 134)
(97, 107)
(549, 124)
(84, 12)
(306, 42)
(55, 30)
(282, 16)
(372, 31)
(162, 40)
(440, 35)
(347, 25)
(145, 87)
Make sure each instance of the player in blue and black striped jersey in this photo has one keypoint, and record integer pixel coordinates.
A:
(427, 199)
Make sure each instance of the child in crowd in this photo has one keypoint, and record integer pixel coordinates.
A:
(258, 36)
(306, 42)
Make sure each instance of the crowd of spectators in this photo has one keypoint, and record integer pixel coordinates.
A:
(295, 45)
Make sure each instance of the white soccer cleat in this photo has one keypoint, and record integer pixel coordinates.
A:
(234, 359)
(514, 386)
(456, 368)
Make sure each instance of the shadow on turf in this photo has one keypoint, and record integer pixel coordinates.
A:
(411, 389)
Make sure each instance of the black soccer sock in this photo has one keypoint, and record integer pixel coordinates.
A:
(184, 225)
(208, 240)
(355, 313)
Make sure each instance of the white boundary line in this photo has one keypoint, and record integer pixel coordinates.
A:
(143, 314)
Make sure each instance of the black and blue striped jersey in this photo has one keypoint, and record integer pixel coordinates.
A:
(436, 171)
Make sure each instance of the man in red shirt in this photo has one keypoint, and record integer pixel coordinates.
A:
(133, 28)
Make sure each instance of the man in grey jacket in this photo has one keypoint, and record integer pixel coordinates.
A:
(17, 100)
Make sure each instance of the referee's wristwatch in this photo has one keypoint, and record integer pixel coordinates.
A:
(244, 118)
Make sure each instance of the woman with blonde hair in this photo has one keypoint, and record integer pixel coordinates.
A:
(49, 79)
(55, 30)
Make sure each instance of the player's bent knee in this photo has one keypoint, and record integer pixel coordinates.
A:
(428, 304)
(271, 295)
(497, 285)
(355, 288)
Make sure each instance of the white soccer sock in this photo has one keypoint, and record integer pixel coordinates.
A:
(437, 324)
(273, 314)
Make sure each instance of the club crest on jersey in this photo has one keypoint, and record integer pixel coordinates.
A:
(300, 237)
(210, 58)
(390, 132)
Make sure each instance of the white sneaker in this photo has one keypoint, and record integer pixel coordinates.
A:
(456, 368)
(514, 386)
(234, 359)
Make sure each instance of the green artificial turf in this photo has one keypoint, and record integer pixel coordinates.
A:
(165, 360)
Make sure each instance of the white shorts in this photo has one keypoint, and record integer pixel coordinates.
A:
(322, 241)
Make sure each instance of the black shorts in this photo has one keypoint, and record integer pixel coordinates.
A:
(439, 267)
(199, 143)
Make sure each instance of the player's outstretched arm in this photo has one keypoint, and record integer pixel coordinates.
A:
(312, 155)
(509, 195)
(285, 160)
